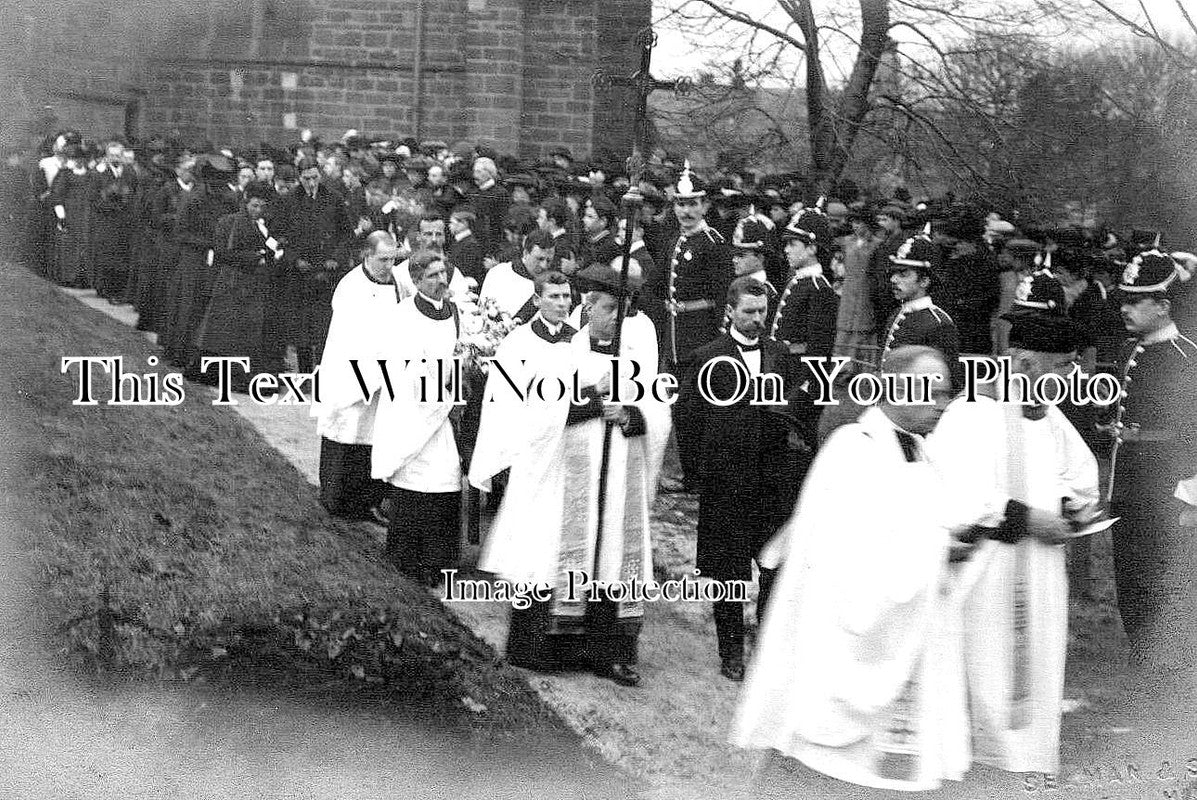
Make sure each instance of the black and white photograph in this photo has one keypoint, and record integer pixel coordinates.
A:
(606, 399)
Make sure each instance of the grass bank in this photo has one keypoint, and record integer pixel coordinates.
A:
(173, 543)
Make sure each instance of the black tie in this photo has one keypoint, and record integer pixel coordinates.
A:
(910, 447)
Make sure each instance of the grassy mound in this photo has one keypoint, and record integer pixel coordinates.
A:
(172, 541)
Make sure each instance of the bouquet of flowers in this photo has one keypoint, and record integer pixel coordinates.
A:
(483, 327)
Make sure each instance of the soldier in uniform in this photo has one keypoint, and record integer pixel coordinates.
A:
(807, 309)
(918, 320)
(751, 245)
(688, 298)
(1152, 480)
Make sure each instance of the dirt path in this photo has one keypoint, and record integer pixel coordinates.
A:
(672, 730)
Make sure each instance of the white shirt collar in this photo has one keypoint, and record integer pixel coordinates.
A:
(489, 183)
(184, 186)
(809, 271)
(1164, 334)
(917, 304)
(741, 338)
(876, 419)
(437, 304)
(457, 237)
(552, 328)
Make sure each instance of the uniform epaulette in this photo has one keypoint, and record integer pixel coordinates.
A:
(1186, 346)
(940, 315)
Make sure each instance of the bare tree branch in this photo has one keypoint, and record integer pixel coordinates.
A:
(744, 19)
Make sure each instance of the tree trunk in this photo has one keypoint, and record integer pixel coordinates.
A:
(833, 133)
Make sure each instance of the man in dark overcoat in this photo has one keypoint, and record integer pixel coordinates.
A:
(317, 229)
(751, 458)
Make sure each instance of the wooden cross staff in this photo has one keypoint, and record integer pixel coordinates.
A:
(643, 84)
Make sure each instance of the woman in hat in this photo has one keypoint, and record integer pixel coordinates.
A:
(68, 198)
(196, 270)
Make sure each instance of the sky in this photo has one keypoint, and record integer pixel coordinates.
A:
(677, 54)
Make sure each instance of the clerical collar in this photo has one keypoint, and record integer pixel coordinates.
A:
(482, 187)
(909, 444)
(433, 309)
(917, 304)
(1164, 334)
(457, 237)
(809, 271)
(553, 334)
(743, 341)
(390, 281)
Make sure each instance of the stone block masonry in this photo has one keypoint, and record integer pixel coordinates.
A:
(515, 74)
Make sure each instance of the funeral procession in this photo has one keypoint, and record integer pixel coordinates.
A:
(630, 399)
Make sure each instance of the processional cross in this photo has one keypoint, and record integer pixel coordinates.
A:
(644, 84)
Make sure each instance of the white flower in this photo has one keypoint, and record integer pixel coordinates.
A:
(1131, 273)
(1023, 292)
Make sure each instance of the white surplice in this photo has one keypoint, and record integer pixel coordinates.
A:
(414, 446)
(508, 288)
(525, 541)
(858, 669)
(363, 311)
(1014, 596)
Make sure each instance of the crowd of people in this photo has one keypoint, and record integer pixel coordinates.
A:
(900, 638)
